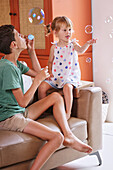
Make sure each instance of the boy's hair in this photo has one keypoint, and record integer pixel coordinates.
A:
(58, 21)
(6, 37)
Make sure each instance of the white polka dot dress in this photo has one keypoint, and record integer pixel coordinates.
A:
(65, 67)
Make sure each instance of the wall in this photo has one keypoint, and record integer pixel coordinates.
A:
(79, 11)
(103, 50)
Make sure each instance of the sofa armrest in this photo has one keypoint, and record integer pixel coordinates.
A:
(89, 108)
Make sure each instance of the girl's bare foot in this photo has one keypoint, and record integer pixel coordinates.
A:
(73, 142)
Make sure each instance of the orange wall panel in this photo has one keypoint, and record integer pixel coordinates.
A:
(85, 62)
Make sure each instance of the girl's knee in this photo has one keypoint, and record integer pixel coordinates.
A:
(42, 89)
(42, 86)
(67, 86)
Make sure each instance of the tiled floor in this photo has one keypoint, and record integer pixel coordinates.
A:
(91, 162)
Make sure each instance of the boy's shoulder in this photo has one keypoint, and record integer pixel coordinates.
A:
(3, 62)
(6, 65)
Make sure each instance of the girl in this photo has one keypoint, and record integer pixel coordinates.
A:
(63, 62)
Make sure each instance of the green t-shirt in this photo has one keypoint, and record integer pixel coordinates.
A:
(10, 78)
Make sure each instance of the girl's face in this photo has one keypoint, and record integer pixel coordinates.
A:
(64, 34)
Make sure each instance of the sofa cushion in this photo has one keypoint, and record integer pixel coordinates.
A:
(78, 126)
(17, 147)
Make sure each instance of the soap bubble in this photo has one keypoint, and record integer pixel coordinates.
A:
(30, 37)
(36, 16)
(111, 34)
(89, 29)
(88, 60)
(108, 19)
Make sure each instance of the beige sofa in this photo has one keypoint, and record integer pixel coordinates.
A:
(18, 150)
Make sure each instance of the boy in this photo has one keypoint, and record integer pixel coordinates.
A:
(14, 113)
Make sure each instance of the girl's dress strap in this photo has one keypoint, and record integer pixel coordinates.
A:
(55, 42)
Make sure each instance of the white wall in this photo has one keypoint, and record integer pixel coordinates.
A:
(103, 50)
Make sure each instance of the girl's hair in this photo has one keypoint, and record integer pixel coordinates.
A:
(57, 23)
(6, 37)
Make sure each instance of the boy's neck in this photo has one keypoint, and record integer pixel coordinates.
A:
(12, 57)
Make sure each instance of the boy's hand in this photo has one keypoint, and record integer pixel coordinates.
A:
(92, 41)
(51, 76)
(30, 44)
(42, 75)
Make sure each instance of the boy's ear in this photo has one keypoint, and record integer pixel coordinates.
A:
(13, 44)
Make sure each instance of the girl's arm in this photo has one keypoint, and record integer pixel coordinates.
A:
(24, 99)
(50, 61)
(82, 49)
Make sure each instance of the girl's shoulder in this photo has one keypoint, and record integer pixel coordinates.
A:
(53, 47)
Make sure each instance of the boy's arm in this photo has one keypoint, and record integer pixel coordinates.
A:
(50, 61)
(36, 68)
(24, 99)
(82, 49)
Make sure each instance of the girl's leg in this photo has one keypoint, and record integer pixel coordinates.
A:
(42, 89)
(68, 96)
(55, 139)
(57, 102)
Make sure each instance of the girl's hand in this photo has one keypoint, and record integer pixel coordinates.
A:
(42, 75)
(92, 41)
